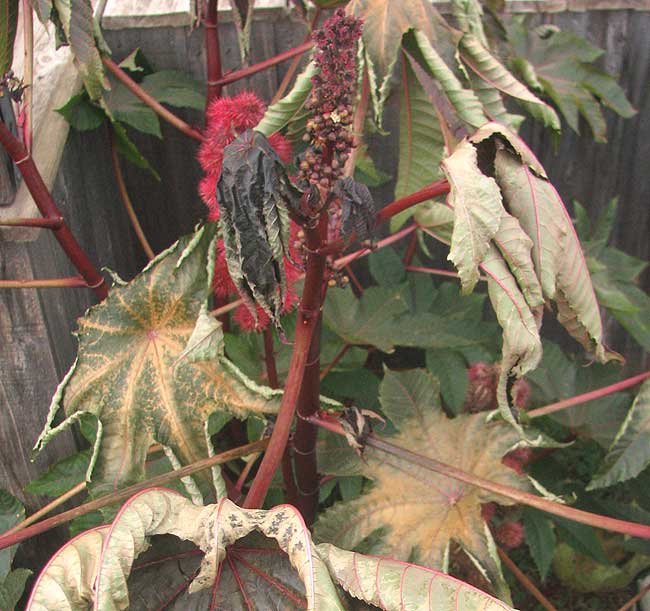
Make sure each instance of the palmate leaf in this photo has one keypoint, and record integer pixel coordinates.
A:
(417, 509)
(629, 453)
(559, 65)
(384, 24)
(235, 570)
(421, 141)
(132, 372)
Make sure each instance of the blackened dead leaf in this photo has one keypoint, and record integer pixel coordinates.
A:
(254, 192)
(358, 208)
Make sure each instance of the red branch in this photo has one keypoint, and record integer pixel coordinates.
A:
(29, 222)
(49, 210)
(151, 102)
(212, 51)
(588, 396)
(237, 75)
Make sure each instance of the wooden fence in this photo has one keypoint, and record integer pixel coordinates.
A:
(36, 344)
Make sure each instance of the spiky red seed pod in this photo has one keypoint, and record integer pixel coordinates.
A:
(518, 459)
(488, 510)
(509, 534)
(482, 390)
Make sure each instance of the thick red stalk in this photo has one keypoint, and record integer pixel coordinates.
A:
(126, 493)
(49, 210)
(306, 326)
(525, 498)
(212, 51)
(151, 102)
(237, 75)
(588, 396)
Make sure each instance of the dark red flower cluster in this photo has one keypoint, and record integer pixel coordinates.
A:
(226, 118)
(331, 100)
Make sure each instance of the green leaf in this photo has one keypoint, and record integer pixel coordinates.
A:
(126, 108)
(464, 101)
(559, 65)
(412, 505)
(78, 23)
(291, 107)
(11, 512)
(582, 538)
(175, 88)
(451, 370)
(629, 453)
(489, 69)
(437, 217)
(476, 200)
(384, 24)
(421, 142)
(62, 475)
(386, 267)
(368, 320)
(359, 385)
(81, 113)
(12, 588)
(129, 375)
(129, 150)
(540, 538)
(366, 171)
(8, 24)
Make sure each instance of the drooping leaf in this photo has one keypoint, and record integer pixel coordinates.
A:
(464, 100)
(540, 538)
(77, 20)
(129, 150)
(476, 200)
(384, 24)
(557, 255)
(175, 88)
(129, 375)
(369, 320)
(8, 24)
(414, 506)
(254, 195)
(582, 538)
(489, 69)
(629, 453)
(128, 109)
(421, 142)
(235, 569)
(469, 17)
(560, 66)
(290, 107)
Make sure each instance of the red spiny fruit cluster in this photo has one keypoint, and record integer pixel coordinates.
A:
(328, 130)
(482, 391)
(226, 118)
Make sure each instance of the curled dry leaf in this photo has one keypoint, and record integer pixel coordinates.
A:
(149, 368)
(101, 580)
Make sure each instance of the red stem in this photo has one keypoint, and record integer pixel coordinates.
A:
(152, 103)
(212, 51)
(525, 498)
(53, 223)
(362, 252)
(524, 581)
(49, 210)
(588, 396)
(306, 325)
(237, 75)
(339, 355)
(431, 270)
(410, 251)
(304, 443)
